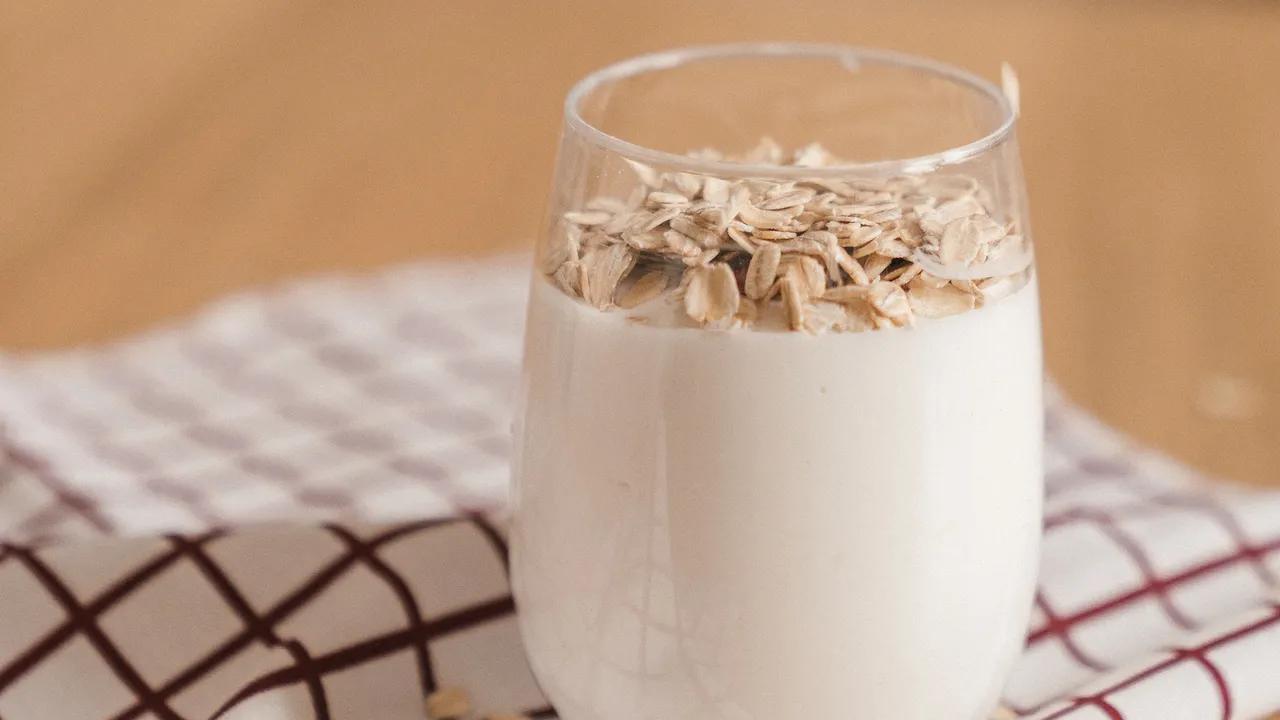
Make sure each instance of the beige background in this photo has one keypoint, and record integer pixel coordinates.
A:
(158, 154)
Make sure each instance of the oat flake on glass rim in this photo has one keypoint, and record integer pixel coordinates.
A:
(716, 518)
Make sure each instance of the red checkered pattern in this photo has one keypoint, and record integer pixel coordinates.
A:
(343, 399)
(380, 408)
(1157, 594)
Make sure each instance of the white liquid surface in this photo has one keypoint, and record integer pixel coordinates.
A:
(759, 525)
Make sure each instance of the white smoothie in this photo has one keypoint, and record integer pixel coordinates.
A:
(761, 525)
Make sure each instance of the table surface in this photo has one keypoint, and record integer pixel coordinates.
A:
(157, 156)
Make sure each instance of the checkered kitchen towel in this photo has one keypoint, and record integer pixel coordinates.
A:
(372, 415)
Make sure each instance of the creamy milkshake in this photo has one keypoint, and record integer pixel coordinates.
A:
(778, 450)
(700, 514)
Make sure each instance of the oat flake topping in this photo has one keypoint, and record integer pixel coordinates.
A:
(829, 255)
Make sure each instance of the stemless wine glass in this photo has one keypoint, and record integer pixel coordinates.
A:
(780, 425)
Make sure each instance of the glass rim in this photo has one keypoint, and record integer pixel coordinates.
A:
(849, 55)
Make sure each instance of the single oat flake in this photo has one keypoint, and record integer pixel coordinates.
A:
(712, 296)
(448, 703)
(647, 287)
(762, 271)
(605, 268)
(813, 255)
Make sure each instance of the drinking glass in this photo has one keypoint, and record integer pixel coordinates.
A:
(746, 489)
